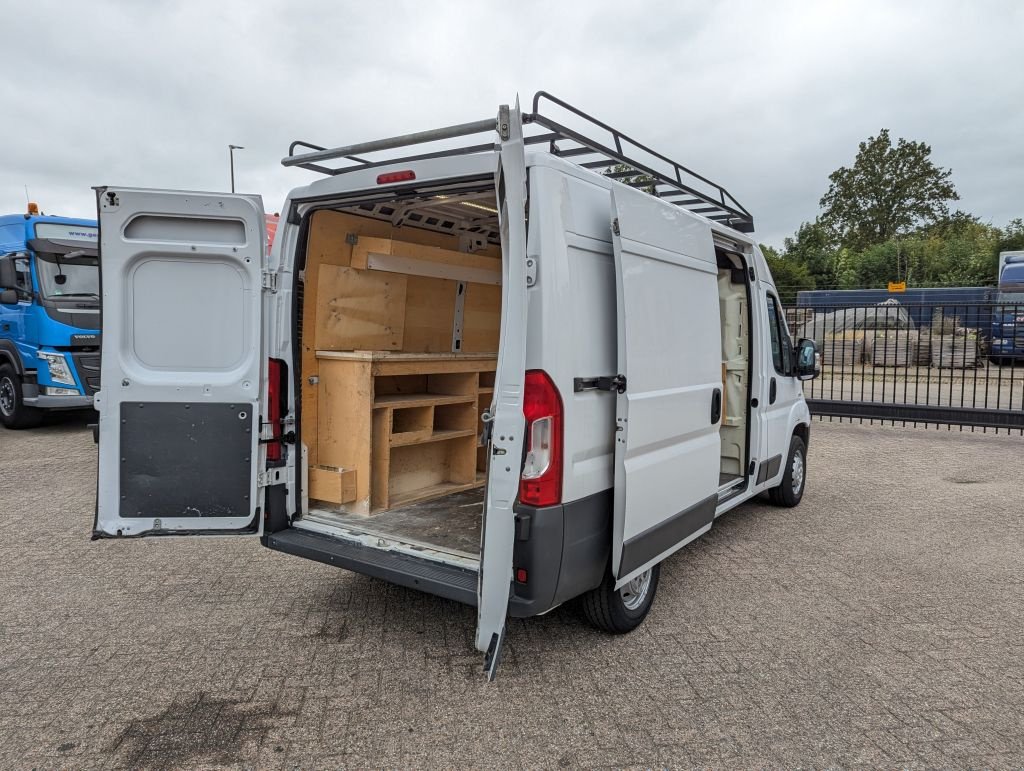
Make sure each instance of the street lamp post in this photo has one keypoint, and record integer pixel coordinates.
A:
(231, 154)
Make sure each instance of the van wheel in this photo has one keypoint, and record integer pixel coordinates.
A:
(618, 612)
(13, 412)
(791, 489)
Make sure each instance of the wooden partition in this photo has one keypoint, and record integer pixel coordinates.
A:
(373, 287)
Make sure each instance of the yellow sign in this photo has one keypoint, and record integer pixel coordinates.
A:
(897, 286)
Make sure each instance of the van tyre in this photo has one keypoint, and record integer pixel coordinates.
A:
(13, 411)
(622, 611)
(791, 490)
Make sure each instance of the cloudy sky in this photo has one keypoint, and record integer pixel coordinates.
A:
(765, 97)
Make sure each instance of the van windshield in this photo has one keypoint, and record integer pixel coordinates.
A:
(68, 276)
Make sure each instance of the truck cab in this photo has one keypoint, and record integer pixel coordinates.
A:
(1008, 313)
(514, 373)
(49, 316)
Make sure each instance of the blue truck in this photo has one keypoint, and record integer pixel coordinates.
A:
(49, 316)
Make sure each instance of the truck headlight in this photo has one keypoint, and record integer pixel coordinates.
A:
(60, 372)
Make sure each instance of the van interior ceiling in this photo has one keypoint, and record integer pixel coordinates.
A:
(400, 320)
(734, 307)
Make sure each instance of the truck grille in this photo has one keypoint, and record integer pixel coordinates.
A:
(88, 366)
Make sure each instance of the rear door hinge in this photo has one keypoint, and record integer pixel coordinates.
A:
(615, 383)
(273, 476)
(269, 281)
(504, 119)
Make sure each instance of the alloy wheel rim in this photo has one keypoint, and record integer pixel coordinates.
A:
(7, 397)
(635, 591)
(798, 473)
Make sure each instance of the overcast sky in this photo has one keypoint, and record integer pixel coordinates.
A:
(766, 98)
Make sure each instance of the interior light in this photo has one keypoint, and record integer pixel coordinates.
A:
(482, 207)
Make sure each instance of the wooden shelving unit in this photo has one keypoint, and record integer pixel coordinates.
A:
(406, 424)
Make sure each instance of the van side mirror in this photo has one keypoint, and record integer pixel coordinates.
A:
(8, 297)
(807, 366)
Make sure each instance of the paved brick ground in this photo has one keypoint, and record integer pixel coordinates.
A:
(878, 624)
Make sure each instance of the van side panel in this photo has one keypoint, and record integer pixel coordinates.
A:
(571, 329)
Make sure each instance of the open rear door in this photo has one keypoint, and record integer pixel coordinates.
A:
(667, 444)
(181, 277)
(507, 420)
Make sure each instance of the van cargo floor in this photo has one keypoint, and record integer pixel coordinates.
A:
(450, 524)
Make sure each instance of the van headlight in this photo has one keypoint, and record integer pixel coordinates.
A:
(60, 372)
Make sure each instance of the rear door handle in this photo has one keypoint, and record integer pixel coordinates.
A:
(772, 391)
(716, 406)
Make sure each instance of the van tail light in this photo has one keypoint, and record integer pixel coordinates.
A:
(277, 396)
(541, 482)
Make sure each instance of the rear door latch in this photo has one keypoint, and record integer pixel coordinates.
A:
(615, 383)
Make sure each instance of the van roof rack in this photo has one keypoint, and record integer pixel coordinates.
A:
(612, 154)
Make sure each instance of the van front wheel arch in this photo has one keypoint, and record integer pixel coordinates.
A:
(790, 490)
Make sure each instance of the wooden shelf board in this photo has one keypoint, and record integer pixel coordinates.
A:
(398, 401)
(485, 390)
(433, 491)
(419, 437)
(401, 356)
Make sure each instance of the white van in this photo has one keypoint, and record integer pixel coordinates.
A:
(510, 373)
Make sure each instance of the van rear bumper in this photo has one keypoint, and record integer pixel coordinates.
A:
(426, 575)
(564, 550)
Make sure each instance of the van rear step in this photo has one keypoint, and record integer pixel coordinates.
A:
(446, 581)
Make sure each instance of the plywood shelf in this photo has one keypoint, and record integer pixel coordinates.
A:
(431, 358)
(408, 438)
(399, 401)
(407, 424)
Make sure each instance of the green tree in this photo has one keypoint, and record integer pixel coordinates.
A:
(813, 247)
(790, 275)
(886, 193)
(1011, 238)
(642, 181)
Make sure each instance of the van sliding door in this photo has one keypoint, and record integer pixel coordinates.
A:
(667, 445)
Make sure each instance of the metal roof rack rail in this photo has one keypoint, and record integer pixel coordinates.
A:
(613, 156)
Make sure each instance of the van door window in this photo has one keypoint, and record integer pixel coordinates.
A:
(781, 347)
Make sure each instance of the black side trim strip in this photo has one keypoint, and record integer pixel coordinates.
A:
(656, 540)
(443, 580)
(769, 469)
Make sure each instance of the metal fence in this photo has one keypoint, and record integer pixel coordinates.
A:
(933, 364)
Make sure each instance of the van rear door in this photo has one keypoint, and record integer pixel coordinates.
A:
(182, 362)
(506, 411)
(667, 445)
